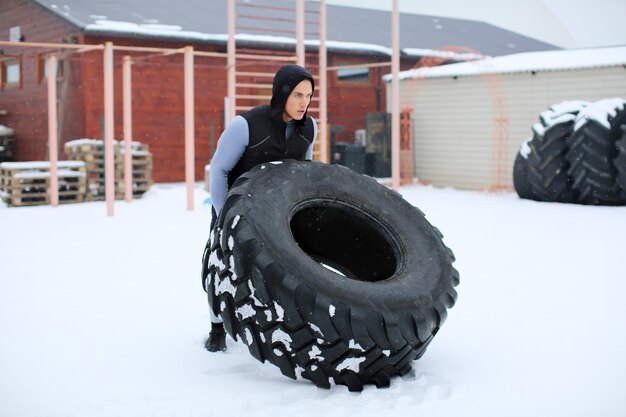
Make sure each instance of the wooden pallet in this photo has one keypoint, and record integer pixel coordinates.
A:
(138, 157)
(97, 146)
(28, 183)
(91, 152)
(97, 192)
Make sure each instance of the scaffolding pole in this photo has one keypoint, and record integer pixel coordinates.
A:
(109, 126)
(230, 65)
(51, 63)
(128, 127)
(323, 73)
(395, 97)
(300, 32)
(189, 126)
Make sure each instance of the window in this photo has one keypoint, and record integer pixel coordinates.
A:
(12, 73)
(354, 74)
(43, 69)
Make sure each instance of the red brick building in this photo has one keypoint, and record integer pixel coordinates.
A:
(157, 79)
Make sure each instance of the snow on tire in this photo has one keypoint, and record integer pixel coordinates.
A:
(591, 151)
(327, 274)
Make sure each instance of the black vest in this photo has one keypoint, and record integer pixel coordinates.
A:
(267, 140)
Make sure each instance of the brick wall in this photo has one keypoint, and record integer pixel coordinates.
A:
(26, 102)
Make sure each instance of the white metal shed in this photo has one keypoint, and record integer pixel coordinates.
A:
(469, 119)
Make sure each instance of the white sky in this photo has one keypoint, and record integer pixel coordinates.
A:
(565, 23)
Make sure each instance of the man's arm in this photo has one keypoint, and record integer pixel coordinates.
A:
(230, 147)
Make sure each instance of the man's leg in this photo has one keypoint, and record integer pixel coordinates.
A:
(217, 337)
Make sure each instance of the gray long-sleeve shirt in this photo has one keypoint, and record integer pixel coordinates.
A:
(230, 147)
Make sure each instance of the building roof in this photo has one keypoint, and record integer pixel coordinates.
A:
(347, 27)
(525, 62)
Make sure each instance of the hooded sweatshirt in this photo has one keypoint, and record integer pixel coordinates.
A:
(260, 135)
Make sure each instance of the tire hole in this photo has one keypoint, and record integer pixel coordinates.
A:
(345, 240)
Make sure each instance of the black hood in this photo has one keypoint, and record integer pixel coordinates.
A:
(285, 80)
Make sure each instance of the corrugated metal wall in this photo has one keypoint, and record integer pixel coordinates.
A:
(455, 121)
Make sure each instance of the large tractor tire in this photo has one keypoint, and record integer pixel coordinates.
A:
(520, 172)
(592, 150)
(547, 165)
(327, 274)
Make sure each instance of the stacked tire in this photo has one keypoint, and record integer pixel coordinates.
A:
(327, 274)
(577, 155)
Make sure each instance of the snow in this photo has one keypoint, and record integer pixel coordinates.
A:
(314, 353)
(105, 316)
(600, 111)
(135, 146)
(525, 149)
(245, 311)
(41, 165)
(353, 345)
(176, 32)
(280, 312)
(279, 336)
(539, 129)
(457, 56)
(235, 221)
(42, 175)
(352, 364)
(5, 131)
(568, 106)
(524, 62)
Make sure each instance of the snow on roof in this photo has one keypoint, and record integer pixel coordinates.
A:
(176, 32)
(437, 53)
(159, 30)
(524, 62)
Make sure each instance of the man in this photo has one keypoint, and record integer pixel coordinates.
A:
(280, 130)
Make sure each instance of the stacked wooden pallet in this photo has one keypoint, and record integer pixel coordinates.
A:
(7, 142)
(28, 183)
(91, 152)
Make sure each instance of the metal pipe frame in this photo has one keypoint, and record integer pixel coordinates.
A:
(51, 62)
(323, 82)
(128, 127)
(109, 126)
(189, 126)
(300, 32)
(395, 96)
(230, 65)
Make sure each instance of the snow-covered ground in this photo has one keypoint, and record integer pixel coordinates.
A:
(105, 316)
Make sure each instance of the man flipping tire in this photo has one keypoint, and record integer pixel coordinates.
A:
(278, 131)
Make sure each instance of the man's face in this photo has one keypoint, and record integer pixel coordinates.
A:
(298, 101)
